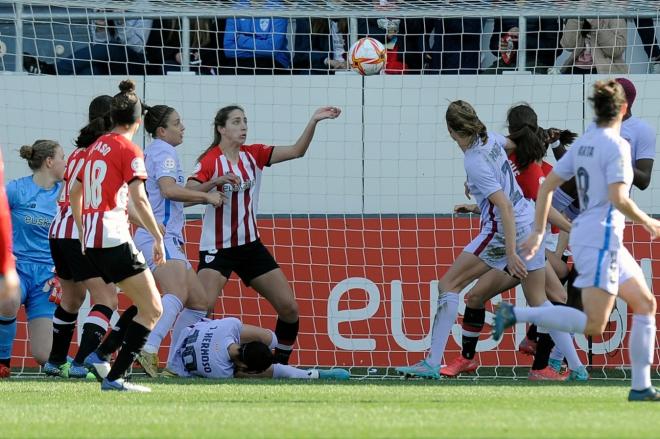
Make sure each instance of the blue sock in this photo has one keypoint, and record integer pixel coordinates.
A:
(7, 336)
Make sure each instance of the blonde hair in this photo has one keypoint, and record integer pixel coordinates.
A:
(462, 119)
(37, 153)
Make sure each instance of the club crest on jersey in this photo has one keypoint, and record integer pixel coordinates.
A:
(264, 23)
(198, 167)
(209, 258)
(137, 165)
(169, 164)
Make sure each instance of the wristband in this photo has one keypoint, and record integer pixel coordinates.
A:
(555, 144)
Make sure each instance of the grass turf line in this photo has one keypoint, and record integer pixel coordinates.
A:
(254, 409)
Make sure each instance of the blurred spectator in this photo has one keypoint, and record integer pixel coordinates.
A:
(164, 46)
(542, 44)
(453, 45)
(403, 39)
(116, 48)
(258, 45)
(646, 31)
(597, 45)
(320, 45)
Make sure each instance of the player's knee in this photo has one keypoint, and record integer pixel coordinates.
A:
(9, 307)
(645, 305)
(289, 311)
(595, 327)
(473, 300)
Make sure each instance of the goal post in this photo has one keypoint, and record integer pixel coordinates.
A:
(363, 225)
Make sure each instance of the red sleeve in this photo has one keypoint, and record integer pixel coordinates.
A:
(132, 163)
(530, 180)
(6, 256)
(261, 154)
(205, 168)
(547, 168)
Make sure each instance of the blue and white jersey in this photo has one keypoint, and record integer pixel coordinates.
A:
(161, 160)
(202, 349)
(597, 159)
(639, 134)
(488, 171)
(32, 211)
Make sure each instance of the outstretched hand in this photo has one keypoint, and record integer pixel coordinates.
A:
(326, 113)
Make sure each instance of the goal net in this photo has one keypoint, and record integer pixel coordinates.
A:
(363, 225)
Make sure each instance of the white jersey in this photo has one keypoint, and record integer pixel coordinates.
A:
(597, 159)
(202, 349)
(488, 171)
(640, 135)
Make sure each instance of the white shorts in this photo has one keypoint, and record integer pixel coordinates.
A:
(550, 241)
(490, 247)
(173, 249)
(604, 269)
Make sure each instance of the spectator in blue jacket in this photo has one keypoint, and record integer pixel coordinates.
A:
(258, 44)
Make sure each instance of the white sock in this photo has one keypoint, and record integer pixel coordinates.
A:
(186, 318)
(641, 345)
(564, 342)
(442, 324)
(561, 318)
(286, 371)
(172, 306)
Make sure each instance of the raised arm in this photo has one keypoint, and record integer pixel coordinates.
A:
(298, 149)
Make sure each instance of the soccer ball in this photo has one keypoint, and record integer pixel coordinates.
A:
(367, 56)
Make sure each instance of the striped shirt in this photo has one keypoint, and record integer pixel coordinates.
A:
(111, 164)
(63, 225)
(234, 222)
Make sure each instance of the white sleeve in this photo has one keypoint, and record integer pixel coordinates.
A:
(645, 148)
(564, 167)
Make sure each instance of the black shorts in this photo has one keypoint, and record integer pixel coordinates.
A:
(248, 261)
(70, 263)
(117, 263)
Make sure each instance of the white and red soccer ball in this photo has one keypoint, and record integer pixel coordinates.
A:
(367, 56)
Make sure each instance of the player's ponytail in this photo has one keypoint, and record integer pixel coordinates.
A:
(608, 98)
(99, 123)
(126, 106)
(220, 120)
(462, 119)
(37, 153)
(525, 132)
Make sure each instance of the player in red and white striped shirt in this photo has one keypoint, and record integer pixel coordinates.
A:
(230, 237)
(113, 170)
(76, 274)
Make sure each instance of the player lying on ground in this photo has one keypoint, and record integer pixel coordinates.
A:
(227, 348)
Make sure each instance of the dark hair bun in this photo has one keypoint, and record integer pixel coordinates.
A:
(127, 86)
(26, 152)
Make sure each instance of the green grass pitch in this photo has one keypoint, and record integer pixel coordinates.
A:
(31, 408)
